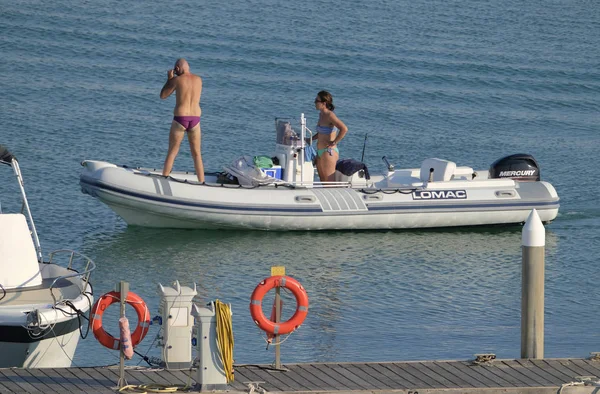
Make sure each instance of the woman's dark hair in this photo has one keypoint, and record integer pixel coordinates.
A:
(326, 98)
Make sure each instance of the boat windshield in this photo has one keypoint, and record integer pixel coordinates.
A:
(286, 133)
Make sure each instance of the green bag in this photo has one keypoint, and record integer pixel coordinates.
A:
(263, 162)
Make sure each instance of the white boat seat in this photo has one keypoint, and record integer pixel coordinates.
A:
(18, 259)
(443, 170)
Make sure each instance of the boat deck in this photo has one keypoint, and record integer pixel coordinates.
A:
(496, 376)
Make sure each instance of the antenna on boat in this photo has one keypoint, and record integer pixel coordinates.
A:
(362, 157)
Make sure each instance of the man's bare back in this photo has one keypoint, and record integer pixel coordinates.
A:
(188, 88)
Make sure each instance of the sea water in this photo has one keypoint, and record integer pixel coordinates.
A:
(467, 81)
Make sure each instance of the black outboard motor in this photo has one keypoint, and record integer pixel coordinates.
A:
(521, 167)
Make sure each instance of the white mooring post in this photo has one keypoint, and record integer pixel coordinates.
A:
(210, 375)
(532, 287)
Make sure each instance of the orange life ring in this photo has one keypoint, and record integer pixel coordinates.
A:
(270, 327)
(143, 315)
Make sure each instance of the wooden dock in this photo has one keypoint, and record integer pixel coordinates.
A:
(416, 377)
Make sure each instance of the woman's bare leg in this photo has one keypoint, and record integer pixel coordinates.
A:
(195, 140)
(175, 136)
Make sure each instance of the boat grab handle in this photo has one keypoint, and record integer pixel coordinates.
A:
(305, 199)
(373, 197)
(505, 193)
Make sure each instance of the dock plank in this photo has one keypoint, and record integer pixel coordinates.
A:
(22, 384)
(310, 380)
(438, 381)
(454, 380)
(408, 380)
(265, 381)
(507, 373)
(325, 375)
(561, 369)
(526, 374)
(78, 381)
(47, 383)
(241, 380)
(9, 383)
(390, 374)
(371, 375)
(422, 381)
(487, 377)
(37, 385)
(290, 384)
(339, 375)
(547, 378)
(359, 383)
(96, 378)
(464, 376)
(587, 366)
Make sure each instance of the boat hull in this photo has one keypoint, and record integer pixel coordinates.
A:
(144, 199)
(40, 326)
(55, 350)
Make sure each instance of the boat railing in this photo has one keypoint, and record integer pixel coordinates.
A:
(73, 256)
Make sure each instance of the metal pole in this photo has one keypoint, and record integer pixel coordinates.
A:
(362, 157)
(277, 320)
(302, 142)
(532, 287)
(123, 288)
(36, 240)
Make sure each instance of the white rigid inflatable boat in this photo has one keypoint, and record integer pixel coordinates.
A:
(286, 197)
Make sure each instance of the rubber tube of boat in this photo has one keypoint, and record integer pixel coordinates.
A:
(532, 287)
(125, 338)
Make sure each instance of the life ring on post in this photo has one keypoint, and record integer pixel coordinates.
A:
(256, 311)
(143, 316)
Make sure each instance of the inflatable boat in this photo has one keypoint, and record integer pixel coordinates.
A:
(286, 196)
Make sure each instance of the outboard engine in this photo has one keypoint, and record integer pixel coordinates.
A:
(521, 167)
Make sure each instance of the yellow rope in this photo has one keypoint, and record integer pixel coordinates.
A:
(225, 337)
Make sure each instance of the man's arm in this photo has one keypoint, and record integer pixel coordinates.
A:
(169, 86)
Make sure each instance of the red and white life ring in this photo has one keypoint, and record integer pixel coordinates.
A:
(270, 327)
(143, 315)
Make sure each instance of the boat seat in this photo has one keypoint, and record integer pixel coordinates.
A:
(464, 172)
(356, 179)
(18, 259)
(443, 170)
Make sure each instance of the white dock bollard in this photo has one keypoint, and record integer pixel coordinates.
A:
(533, 242)
(211, 372)
(175, 309)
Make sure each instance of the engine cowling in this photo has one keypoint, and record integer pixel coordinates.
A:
(520, 166)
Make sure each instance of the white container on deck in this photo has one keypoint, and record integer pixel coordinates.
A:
(210, 374)
(175, 308)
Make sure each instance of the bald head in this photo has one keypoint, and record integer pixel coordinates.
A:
(181, 66)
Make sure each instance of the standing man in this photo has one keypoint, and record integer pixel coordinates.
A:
(186, 114)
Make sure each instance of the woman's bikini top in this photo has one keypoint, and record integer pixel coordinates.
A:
(325, 129)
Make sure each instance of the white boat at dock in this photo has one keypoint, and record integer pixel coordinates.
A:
(43, 305)
(438, 193)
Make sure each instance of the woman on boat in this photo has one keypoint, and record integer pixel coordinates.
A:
(330, 131)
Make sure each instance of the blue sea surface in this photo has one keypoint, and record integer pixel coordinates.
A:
(468, 81)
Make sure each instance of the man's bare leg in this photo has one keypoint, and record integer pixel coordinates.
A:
(175, 137)
(195, 140)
